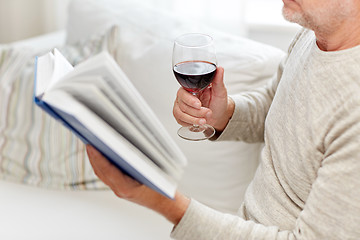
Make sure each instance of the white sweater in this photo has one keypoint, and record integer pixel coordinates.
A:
(308, 183)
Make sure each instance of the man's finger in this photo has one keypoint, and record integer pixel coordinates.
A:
(188, 99)
(218, 86)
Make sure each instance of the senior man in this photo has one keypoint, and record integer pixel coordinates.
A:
(308, 183)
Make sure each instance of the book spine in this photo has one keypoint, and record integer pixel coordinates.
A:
(49, 110)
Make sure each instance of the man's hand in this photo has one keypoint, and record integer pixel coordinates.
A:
(127, 188)
(213, 106)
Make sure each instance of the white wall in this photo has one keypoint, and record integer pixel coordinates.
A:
(260, 20)
(21, 19)
(266, 24)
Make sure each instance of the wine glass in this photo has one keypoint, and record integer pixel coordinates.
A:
(194, 66)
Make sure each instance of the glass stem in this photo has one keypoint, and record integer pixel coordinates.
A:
(195, 127)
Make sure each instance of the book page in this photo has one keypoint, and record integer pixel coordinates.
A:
(110, 143)
(116, 79)
(99, 103)
(50, 68)
(43, 73)
(121, 106)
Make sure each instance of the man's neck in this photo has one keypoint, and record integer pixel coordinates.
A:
(346, 35)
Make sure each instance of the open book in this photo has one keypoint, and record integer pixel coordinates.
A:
(101, 106)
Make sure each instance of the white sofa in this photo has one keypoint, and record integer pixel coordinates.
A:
(41, 214)
(217, 174)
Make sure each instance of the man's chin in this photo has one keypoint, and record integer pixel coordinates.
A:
(293, 17)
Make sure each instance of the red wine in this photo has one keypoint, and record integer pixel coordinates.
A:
(194, 76)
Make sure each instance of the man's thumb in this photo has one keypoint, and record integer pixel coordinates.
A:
(218, 86)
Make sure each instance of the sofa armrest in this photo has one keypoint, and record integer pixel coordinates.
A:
(37, 213)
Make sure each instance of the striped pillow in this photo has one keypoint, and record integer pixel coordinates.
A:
(34, 148)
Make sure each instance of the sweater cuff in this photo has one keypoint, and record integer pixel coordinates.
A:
(196, 223)
(236, 121)
(189, 225)
(203, 223)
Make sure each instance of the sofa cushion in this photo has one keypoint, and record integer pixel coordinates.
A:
(218, 173)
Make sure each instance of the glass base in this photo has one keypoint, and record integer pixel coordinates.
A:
(196, 133)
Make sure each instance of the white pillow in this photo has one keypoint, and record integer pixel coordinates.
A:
(218, 172)
(36, 149)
